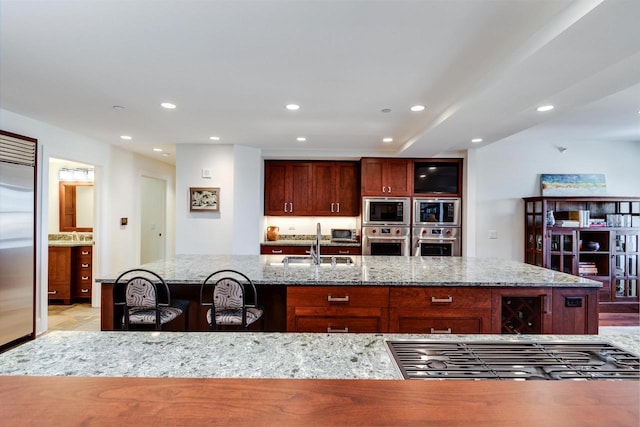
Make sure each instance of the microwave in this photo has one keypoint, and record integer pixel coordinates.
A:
(378, 211)
(348, 235)
(439, 212)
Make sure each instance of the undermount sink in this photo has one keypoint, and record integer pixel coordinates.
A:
(324, 260)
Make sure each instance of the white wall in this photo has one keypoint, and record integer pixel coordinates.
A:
(509, 170)
(116, 195)
(237, 172)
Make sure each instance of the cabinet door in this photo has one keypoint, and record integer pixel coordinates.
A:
(300, 186)
(60, 273)
(340, 250)
(575, 311)
(625, 257)
(347, 189)
(372, 177)
(397, 177)
(284, 250)
(324, 188)
(275, 188)
(562, 251)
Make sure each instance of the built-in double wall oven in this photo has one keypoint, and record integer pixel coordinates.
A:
(436, 227)
(386, 225)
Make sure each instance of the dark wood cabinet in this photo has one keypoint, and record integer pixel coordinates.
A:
(386, 177)
(439, 310)
(60, 273)
(523, 311)
(70, 273)
(288, 188)
(336, 188)
(603, 247)
(575, 311)
(305, 250)
(82, 270)
(337, 309)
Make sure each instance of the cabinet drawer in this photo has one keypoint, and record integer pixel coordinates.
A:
(284, 250)
(340, 250)
(421, 322)
(59, 291)
(338, 296)
(361, 321)
(440, 297)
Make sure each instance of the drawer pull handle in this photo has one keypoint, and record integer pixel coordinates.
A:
(85, 277)
(84, 290)
(276, 251)
(342, 331)
(84, 252)
(338, 299)
(53, 292)
(440, 331)
(447, 299)
(85, 265)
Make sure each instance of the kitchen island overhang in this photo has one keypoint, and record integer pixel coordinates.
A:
(480, 284)
(175, 378)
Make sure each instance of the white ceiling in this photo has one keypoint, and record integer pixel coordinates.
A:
(480, 66)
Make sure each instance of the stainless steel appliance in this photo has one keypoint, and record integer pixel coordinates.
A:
(386, 211)
(517, 360)
(347, 235)
(443, 212)
(435, 241)
(386, 241)
(17, 231)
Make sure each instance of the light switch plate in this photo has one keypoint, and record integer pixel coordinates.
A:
(206, 173)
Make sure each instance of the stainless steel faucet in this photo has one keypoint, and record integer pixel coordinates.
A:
(315, 251)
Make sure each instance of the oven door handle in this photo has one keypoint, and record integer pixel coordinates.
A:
(387, 239)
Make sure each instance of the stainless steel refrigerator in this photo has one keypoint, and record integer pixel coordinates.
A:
(17, 238)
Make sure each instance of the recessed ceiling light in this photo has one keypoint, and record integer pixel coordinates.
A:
(476, 140)
(418, 108)
(127, 137)
(292, 107)
(214, 138)
(387, 139)
(386, 110)
(545, 108)
(168, 105)
(157, 150)
(118, 107)
(301, 139)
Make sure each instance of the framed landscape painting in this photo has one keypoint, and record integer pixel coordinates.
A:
(204, 199)
(585, 184)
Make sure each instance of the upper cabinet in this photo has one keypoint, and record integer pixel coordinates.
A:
(386, 177)
(336, 188)
(288, 188)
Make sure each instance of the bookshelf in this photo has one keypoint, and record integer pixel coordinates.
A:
(593, 237)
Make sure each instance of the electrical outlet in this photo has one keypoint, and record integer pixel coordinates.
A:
(292, 228)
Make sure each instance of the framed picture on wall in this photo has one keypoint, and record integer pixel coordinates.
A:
(204, 199)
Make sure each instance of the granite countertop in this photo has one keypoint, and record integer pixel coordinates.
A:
(366, 270)
(71, 239)
(232, 355)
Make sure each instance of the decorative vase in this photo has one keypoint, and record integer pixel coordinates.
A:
(273, 233)
(551, 221)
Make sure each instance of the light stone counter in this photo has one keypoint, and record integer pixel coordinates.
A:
(367, 270)
(232, 355)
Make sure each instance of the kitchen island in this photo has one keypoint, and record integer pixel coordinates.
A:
(173, 378)
(392, 294)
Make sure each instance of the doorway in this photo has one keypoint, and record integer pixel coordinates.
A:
(152, 219)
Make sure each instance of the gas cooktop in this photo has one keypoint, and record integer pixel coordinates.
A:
(500, 360)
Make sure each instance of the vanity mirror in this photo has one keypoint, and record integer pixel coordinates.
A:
(76, 206)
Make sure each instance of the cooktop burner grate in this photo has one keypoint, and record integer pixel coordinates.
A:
(499, 360)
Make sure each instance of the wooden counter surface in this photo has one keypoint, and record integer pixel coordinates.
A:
(61, 401)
